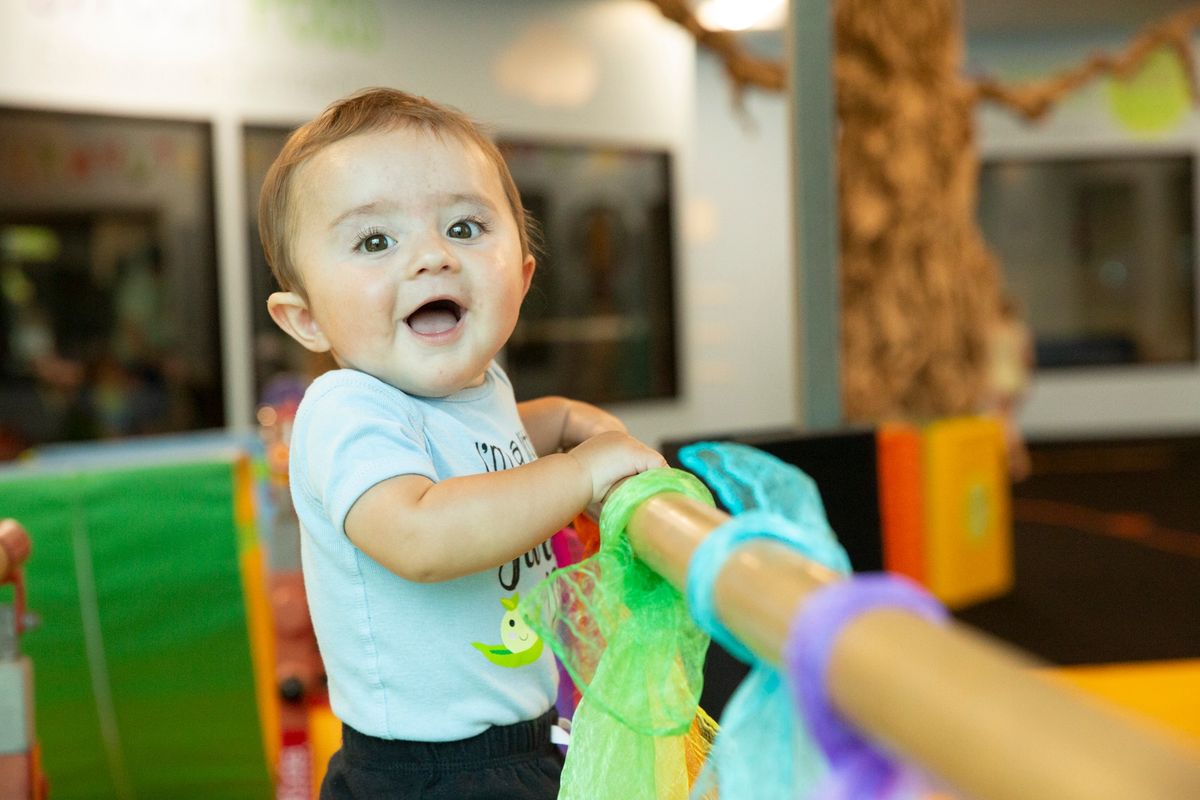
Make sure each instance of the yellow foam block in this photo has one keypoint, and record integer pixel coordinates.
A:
(262, 652)
(968, 516)
(324, 739)
(1167, 692)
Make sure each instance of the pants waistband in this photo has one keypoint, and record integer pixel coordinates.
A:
(499, 743)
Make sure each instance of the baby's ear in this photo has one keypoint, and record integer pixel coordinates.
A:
(528, 267)
(291, 313)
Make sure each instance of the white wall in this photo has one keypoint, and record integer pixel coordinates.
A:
(739, 321)
(597, 70)
(1083, 402)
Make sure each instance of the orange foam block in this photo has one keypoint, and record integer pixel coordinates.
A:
(901, 499)
(968, 514)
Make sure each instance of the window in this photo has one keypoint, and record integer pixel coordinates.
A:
(599, 322)
(1100, 252)
(108, 280)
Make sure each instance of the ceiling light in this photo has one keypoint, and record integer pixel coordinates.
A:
(741, 15)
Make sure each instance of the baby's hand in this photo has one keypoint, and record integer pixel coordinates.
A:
(609, 457)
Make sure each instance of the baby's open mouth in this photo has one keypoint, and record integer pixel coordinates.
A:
(436, 316)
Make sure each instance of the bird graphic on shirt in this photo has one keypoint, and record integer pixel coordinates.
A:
(520, 645)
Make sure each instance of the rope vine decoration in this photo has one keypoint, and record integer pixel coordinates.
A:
(1033, 100)
(743, 68)
(921, 291)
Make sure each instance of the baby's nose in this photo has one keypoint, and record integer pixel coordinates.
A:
(431, 258)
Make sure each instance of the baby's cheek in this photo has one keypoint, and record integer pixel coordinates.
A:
(375, 304)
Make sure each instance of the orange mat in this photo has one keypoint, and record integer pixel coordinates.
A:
(1167, 692)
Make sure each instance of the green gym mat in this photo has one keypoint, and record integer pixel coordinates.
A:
(143, 678)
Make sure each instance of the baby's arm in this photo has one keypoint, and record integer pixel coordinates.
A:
(556, 423)
(426, 532)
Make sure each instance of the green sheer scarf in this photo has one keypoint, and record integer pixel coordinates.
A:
(625, 636)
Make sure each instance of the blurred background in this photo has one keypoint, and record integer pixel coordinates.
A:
(679, 287)
(135, 136)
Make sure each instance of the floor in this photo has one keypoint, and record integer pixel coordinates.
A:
(1106, 544)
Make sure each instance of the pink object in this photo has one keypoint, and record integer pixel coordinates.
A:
(567, 548)
(15, 777)
(16, 545)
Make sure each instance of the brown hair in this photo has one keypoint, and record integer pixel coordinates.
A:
(371, 109)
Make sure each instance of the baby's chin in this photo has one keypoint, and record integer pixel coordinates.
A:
(434, 388)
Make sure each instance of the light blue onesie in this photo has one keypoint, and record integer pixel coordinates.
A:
(427, 662)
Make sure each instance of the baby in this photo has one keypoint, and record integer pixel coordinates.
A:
(425, 493)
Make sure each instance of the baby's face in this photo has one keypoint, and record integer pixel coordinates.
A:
(410, 257)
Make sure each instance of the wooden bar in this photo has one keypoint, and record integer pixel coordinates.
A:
(971, 710)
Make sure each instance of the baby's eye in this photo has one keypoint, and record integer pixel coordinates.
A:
(466, 229)
(375, 242)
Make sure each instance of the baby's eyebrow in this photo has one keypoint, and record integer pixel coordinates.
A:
(469, 198)
(377, 206)
(359, 211)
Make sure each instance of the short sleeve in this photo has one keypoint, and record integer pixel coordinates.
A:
(353, 437)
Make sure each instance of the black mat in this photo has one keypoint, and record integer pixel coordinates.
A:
(1106, 546)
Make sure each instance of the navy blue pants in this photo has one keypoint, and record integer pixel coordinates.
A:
(510, 762)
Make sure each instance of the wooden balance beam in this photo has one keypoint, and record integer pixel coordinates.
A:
(971, 710)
